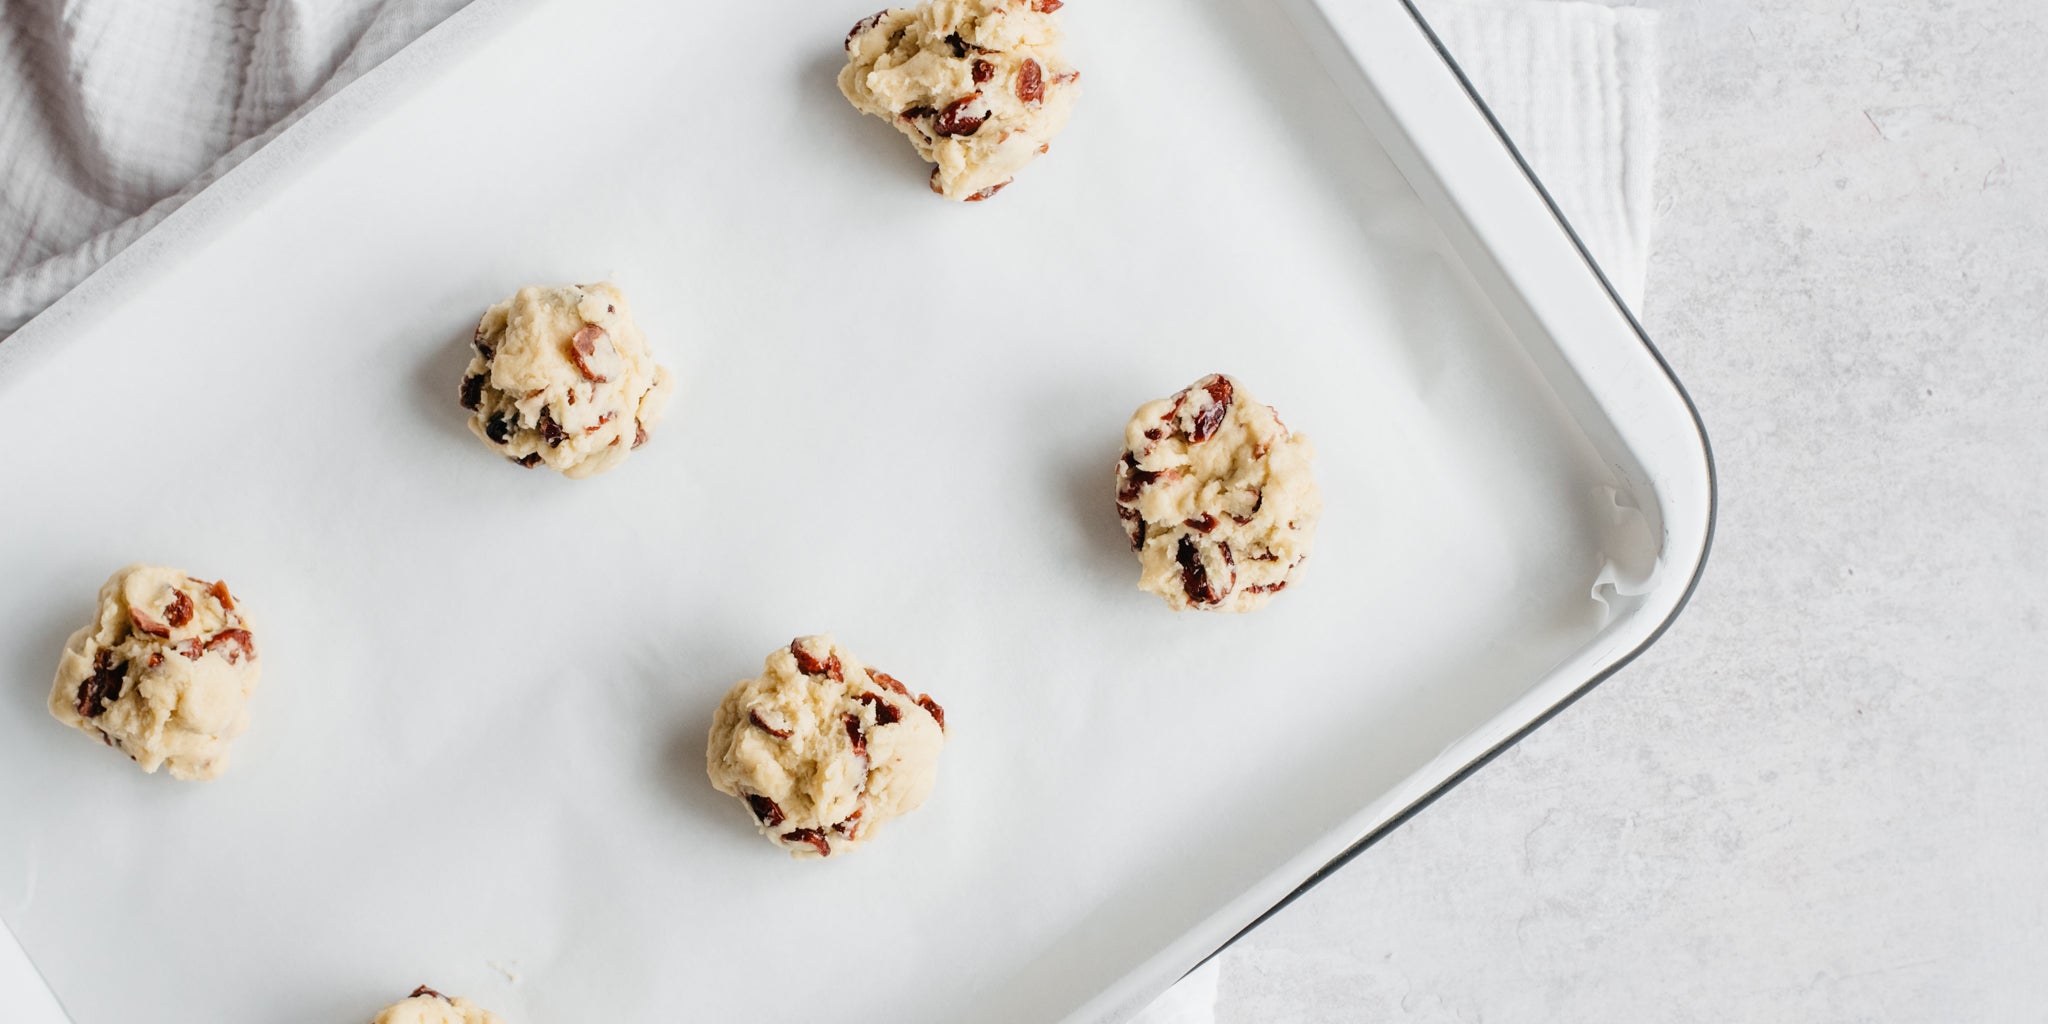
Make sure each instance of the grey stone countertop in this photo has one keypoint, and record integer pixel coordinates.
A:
(1824, 795)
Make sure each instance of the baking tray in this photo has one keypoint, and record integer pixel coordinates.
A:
(476, 757)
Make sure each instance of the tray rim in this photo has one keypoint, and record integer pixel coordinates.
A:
(1697, 570)
(315, 131)
(1095, 1009)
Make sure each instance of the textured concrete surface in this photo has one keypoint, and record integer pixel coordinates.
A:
(1824, 796)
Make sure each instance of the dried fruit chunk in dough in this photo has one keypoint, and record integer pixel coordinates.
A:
(426, 1006)
(980, 87)
(822, 749)
(1217, 497)
(562, 377)
(163, 673)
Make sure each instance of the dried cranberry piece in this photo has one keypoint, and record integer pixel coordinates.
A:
(765, 809)
(810, 665)
(1030, 81)
(530, 461)
(888, 682)
(601, 420)
(960, 46)
(583, 348)
(155, 658)
(179, 611)
(957, 119)
(864, 26)
(1267, 588)
(754, 716)
(498, 428)
(925, 701)
(812, 836)
(1194, 574)
(885, 712)
(550, 431)
(103, 687)
(914, 112)
(238, 642)
(425, 991)
(483, 346)
(860, 742)
(473, 392)
(850, 827)
(1047, 6)
(1134, 525)
(1208, 417)
(193, 649)
(1135, 480)
(806, 662)
(982, 70)
(639, 433)
(1204, 523)
(987, 192)
(146, 624)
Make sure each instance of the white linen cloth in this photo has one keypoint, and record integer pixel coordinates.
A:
(1575, 85)
(114, 112)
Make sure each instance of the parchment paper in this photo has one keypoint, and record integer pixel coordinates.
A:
(477, 753)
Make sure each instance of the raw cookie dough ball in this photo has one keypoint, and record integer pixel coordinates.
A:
(163, 673)
(979, 86)
(562, 377)
(824, 749)
(1217, 498)
(426, 1006)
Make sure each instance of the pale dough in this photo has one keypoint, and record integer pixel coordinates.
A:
(1217, 497)
(163, 673)
(979, 86)
(824, 749)
(562, 377)
(426, 1006)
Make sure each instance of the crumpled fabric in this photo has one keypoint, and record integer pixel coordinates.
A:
(114, 112)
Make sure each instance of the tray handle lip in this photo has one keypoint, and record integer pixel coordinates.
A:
(1696, 571)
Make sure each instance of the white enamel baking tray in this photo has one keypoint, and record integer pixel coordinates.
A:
(476, 758)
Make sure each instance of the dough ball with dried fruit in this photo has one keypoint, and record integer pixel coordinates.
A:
(979, 86)
(562, 377)
(426, 1006)
(1217, 497)
(824, 749)
(163, 673)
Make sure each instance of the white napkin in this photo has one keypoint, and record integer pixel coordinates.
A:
(1575, 85)
(114, 112)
